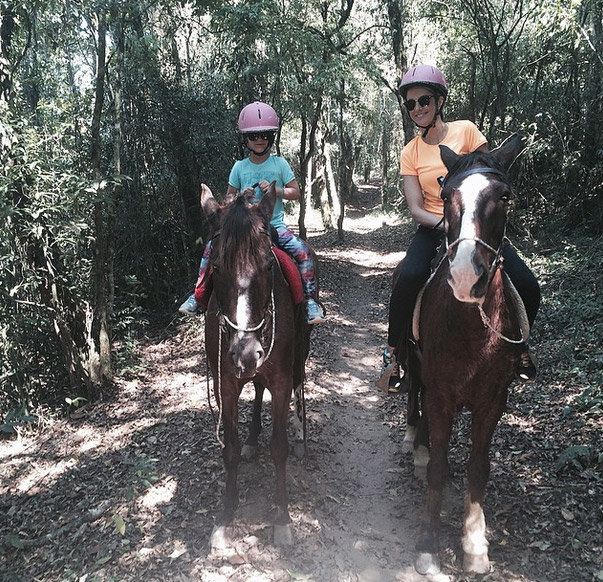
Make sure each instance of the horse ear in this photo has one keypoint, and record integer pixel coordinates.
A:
(448, 157)
(209, 204)
(508, 151)
(266, 205)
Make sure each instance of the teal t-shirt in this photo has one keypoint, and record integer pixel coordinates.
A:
(245, 174)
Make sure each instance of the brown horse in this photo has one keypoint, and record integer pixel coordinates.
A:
(254, 331)
(469, 325)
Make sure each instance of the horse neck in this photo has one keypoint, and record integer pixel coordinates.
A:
(466, 316)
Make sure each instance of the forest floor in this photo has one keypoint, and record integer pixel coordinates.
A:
(126, 489)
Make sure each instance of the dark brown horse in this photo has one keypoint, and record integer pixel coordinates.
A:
(254, 331)
(470, 327)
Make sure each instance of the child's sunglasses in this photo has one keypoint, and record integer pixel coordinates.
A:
(423, 101)
(261, 135)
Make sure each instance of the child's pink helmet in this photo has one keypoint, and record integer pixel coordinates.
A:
(258, 116)
(424, 75)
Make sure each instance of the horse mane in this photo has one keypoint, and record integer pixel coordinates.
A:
(240, 234)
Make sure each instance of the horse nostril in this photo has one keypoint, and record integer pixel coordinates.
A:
(260, 354)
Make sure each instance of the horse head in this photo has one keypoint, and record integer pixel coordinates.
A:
(242, 261)
(477, 195)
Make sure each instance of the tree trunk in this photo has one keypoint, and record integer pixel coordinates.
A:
(320, 193)
(104, 219)
(306, 151)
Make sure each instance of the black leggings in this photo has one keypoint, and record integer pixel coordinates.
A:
(415, 271)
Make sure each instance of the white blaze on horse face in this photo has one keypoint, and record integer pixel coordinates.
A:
(462, 271)
(243, 306)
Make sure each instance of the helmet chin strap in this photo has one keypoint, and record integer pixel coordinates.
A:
(430, 125)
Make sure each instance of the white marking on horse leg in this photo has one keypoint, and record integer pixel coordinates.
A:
(475, 544)
(421, 462)
(219, 539)
(408, 444)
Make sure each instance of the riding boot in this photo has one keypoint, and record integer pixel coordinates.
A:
(393, 376)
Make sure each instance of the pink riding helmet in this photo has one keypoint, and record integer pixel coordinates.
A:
(258, 116)
(424, 75)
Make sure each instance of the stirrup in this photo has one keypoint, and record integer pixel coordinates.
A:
(526, 369)
(384, 382)
(397, 382)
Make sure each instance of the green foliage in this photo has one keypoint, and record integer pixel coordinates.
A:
(15, 419)
(142, 474)
(575, 457)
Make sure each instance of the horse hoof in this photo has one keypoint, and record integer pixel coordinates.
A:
(478, 564)
(427, 564)
(299, 450)
(218, 539)
(249, 452)
(283, 536)
(407, 446)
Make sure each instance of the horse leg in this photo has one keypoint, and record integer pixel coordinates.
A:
(231, 455)
(421, 446)
(413, 413)
(279, 449)
(428, 546)
(299, 422)
(250, 448)
(475, 544)
(416, 438)
(302, 347)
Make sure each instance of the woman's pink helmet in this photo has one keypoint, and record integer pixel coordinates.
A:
(257, 116)
(424, 75)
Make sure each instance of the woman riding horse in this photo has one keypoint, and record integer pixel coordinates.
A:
(424, 89)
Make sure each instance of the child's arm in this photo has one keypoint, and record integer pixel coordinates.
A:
(289, 192)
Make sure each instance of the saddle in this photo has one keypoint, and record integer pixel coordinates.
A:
(286, 265)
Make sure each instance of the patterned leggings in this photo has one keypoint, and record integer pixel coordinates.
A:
(293, 246)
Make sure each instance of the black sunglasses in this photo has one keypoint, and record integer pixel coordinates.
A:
(261, 135)
(424, 101)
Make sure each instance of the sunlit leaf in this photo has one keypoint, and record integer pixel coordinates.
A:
(120, 524)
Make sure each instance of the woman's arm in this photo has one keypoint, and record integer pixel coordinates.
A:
(414, 199)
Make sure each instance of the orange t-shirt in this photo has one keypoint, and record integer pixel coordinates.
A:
(423, 160)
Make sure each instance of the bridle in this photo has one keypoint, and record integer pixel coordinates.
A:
(223, 321)
(450, 246)
(270, 310)
(496, 262)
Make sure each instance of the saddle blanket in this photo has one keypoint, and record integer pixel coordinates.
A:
(287, 266)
